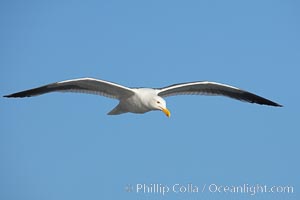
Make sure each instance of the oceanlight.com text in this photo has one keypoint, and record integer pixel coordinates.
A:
(249, 189)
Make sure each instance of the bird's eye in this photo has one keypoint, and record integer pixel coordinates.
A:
(158, 102)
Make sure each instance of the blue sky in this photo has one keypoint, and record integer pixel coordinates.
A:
(64, 146)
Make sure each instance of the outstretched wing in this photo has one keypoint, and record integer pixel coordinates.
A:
(81, 85)
(213, 88)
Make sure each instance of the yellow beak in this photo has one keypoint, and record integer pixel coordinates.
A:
(166, 111)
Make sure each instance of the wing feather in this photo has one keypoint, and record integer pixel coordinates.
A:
(213, 88)
(81, 85)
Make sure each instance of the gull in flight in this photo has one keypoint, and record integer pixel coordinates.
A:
(141, 100)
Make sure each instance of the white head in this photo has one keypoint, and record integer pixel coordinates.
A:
(158, 103)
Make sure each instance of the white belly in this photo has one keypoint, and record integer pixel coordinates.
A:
(139, 103)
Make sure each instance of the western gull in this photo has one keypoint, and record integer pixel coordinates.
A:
(141, 100)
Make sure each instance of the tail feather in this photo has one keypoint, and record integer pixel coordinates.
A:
(117, 110)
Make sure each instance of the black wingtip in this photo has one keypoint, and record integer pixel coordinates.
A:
(271, 103)
(29, 93)
(15, 95)
(10, 96)
(276, 105)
